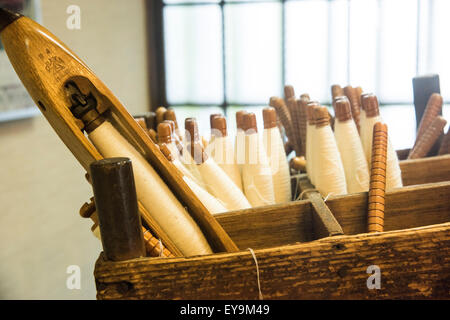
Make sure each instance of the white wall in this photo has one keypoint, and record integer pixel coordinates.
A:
(42, 185)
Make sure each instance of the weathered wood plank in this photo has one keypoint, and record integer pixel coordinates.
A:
(414, 263)
(425, 170)
(407, 207)
(270, 226)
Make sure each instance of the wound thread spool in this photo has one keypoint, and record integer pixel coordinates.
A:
(164, 133)
(353, 97)
(293, 111)
(336, 90)
(284, 115)
(428, 138)
(160, 115)
(288, 92)
(223, 151)
(219, 126)
(377, 189)
(153, 193)
(432, 110)
(372, 116)
(117, 209)
(208, 200)
(350, 147)
(302, 123)
(310, 128)
(256, 172)
(273, 145)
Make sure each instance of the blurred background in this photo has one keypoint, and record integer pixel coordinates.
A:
(200, 57)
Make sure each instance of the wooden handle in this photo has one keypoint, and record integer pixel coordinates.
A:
(152, 245)
(428, 138)
(377, 188)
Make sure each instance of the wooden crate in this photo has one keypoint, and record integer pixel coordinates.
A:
(296, 262)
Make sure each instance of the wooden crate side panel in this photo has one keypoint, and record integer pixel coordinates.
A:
(425, 170)
(413, 263)
(407, 207)
(269, 226)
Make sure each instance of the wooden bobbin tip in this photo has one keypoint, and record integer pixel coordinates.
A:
(164, 132)
(219, 124)
(269, 118)
(342, 109)
(250, 122)
(240, 119)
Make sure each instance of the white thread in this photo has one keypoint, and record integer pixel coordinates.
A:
(257, 273)
(393, 172)
(153, 193)
(328, 169)
(210, 202)
(273, 145)
(352, 156)
(256, 173)
(309, 151)
(326, 198)
(222, 187)
(223, 155)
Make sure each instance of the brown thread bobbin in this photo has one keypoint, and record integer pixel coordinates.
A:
(160, 115)
(250, 125)
(190, 125)
(428, 138)
(362, 97)
(370, 105)
(293, 111)
(359, 92)
(445, 144)
(288, 92)
(269, 118)
(240, 119)
(336, 90)
(194, 145)
(302, 122)
(219, 126)
(170, 115)
(211, 117)
(354, 99)
(342, 109)
(310, 111)
(321, 116)
(172, 126)
(284, 115)
(432, 110)
(164, 133)
(377, 186)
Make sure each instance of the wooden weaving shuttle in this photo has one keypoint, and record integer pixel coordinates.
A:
(56, 79)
